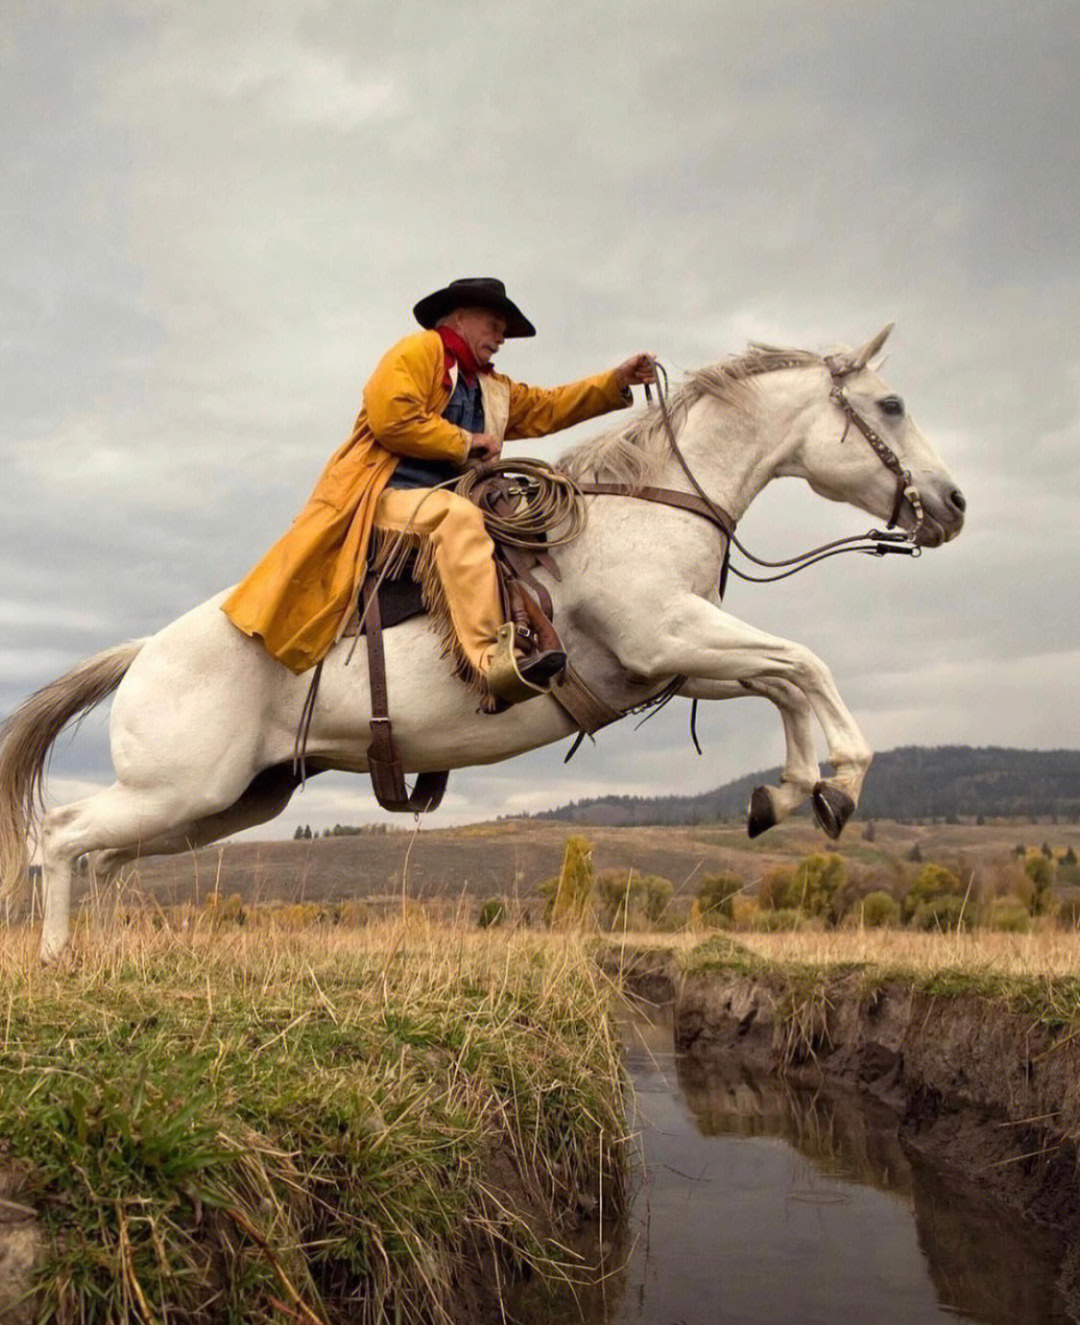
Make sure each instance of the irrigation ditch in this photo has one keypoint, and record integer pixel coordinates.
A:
(982, 1073)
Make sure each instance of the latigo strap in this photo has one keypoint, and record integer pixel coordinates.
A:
(384, 759)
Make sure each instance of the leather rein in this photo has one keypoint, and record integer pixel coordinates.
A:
(876, 542)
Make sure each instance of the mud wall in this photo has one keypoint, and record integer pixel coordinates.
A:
(20, 1245)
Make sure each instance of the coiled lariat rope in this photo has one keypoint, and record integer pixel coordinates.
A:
(550, 511)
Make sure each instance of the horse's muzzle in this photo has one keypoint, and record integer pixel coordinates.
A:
(943, 516)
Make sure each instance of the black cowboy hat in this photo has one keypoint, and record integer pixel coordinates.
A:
(473, 292)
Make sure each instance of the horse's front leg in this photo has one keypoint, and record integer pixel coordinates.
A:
(771, 805)
(694, 638)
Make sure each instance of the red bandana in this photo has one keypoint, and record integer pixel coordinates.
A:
(458, 352)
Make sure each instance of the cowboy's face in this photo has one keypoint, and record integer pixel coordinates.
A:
(482, 330)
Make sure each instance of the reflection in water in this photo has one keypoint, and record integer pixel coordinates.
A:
(764, 1204)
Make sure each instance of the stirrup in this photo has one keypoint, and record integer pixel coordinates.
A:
(516, 681)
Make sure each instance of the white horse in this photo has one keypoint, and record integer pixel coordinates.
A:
(203, 725)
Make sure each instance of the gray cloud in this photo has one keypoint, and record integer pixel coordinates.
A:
(216, 220)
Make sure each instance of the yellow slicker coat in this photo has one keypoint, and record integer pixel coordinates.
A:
(298, 598)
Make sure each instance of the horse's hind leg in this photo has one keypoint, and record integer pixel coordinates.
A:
(117, 817)
(265, 798)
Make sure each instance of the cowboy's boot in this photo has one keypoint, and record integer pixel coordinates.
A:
(528, 652)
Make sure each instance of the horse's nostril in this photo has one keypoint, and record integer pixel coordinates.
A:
(957, 501)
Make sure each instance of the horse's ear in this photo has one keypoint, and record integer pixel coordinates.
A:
(862, 356)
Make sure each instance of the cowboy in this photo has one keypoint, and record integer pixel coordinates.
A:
(433, 405)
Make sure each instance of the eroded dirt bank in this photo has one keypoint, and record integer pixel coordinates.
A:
(985, 1085)
(20, 1246)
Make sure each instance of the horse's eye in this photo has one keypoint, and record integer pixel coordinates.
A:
(891, 405)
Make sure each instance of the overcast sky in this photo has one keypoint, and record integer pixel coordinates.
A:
(217, 217)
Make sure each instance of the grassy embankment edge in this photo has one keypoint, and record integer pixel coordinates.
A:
(1050, 1000)
(369, 1125)
(944, 966)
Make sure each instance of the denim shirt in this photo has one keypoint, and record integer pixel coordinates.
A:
(465, 409)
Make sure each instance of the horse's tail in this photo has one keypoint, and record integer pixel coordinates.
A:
(25, 740)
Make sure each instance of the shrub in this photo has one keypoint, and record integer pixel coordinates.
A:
(877, 910)
(1067, 914)
(743, 910)
(619, 895)
(674, 916)
(777, 889)
(931, 883)
(492, 913)
(630, 900)
(1003, 876)
(818, 878)
(1008, 915)
(1041, 873)
(942, 913)
(774, 922)
(350, 912)
(715, 896)
(570, 895)
(658, 894)
(1068, 876)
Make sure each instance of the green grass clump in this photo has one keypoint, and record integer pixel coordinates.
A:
(311, 1127)
(720, 953)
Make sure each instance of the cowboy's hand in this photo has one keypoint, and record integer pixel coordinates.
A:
(636, 371)
(484, 447)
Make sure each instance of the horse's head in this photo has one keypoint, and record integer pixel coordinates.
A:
(860, 446)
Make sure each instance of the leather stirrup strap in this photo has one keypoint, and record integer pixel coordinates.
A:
(384, 760)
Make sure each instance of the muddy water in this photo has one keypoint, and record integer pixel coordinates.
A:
(764, 1205)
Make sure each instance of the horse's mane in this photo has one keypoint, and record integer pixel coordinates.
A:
(635, 454)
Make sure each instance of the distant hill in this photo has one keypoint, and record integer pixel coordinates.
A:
(912, 782)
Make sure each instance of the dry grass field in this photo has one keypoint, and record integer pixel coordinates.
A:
(1042, 955)
(512, 857)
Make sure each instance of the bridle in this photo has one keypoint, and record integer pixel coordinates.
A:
(876, 542)
(905, 486)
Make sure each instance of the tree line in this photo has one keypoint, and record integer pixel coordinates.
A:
(914, 784)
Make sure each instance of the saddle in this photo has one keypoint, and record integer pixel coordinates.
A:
(529, 658)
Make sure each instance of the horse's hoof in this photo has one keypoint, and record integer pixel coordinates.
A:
(762, 816)
(832, 808)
